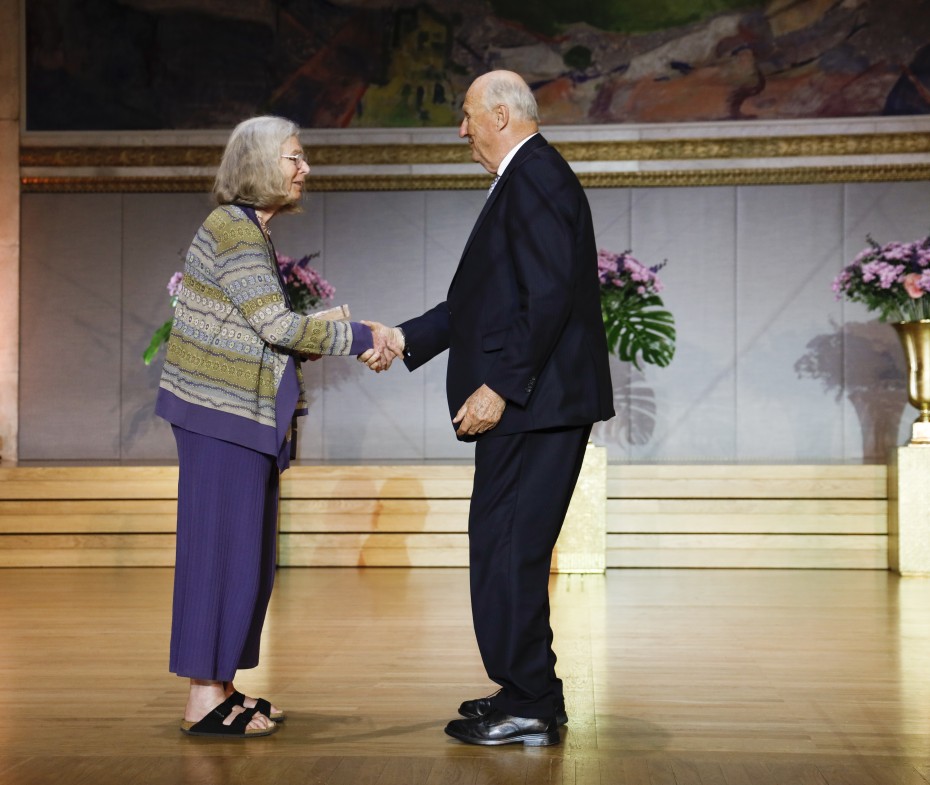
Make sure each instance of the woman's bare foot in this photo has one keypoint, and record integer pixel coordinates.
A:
(249, 702)
(205, 696)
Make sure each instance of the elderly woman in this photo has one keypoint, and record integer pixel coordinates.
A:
(230, 387)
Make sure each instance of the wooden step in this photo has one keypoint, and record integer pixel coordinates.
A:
(780, 516)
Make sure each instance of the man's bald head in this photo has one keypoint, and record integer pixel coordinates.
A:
(509, 89)
(499, 112)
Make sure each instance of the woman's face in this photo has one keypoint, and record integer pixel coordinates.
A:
(294, 167)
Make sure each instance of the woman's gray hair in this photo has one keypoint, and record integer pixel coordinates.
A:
(250, 172)
(507, 88)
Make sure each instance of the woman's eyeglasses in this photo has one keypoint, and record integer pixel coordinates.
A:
(298, 159)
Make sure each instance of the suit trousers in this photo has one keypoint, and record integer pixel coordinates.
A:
(523, 485)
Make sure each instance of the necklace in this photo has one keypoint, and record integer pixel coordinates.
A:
(264, 226)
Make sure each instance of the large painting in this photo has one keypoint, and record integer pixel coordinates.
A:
(185, 64)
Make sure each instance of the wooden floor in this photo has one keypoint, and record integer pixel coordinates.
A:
(716, 677)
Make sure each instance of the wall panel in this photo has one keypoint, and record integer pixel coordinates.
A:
(157, 231)
(789, 244)
(71, 327)
(769, 367)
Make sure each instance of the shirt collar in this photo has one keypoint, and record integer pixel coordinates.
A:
(509, 157)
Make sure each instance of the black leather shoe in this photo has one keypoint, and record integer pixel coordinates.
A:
(479, 707)
(499, 728)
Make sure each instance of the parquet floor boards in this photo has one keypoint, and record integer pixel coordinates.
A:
(672, 677)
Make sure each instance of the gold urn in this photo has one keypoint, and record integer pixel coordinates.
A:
(915, 339)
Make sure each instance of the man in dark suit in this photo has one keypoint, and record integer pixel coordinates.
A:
(527, 377)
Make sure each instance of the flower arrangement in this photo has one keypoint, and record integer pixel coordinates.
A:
(892, 279)
(635, 318)
(306, 289)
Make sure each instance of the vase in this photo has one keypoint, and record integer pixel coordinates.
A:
(915, 339)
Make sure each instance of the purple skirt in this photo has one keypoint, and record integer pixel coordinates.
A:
(225, 563)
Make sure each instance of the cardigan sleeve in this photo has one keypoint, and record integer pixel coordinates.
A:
(244, 272)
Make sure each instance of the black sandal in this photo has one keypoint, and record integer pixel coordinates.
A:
(212, 724)
(262, 706)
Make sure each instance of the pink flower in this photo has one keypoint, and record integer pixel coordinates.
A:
(887, 274)
(897, 251)
(174, 285)
(606, 265)
(912, 285)
(841, 282)
(623, 271)
(314, 282)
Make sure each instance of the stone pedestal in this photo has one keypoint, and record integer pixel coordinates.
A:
(582, 545)
(909, 510)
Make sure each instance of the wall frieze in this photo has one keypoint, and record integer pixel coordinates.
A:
(799, 175)
(698, 149)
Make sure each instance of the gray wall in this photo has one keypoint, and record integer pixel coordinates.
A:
(770, 367)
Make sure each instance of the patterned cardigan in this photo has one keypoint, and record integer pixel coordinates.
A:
(228, 371)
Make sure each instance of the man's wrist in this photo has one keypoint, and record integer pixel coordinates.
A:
(403, 340)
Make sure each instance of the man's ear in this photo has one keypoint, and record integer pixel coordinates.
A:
(501, 116)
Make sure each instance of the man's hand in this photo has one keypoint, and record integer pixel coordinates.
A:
(388, 344)
(481, 412)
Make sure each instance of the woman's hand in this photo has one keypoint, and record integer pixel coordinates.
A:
(388, 345)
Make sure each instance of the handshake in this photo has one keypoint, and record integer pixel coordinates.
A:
(481, 411)
(389, 344)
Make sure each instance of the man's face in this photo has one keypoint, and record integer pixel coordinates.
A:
(479, 126)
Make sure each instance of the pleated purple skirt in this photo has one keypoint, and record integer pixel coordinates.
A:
(225, 564)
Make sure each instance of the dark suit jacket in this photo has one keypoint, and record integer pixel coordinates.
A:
(523, 311)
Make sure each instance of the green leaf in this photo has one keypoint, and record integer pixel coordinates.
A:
(638, 328)
(159, 338)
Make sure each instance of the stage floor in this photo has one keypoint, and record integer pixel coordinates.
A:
(718, 677)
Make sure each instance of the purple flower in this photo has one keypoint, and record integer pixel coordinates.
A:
(286, 267)
(887, 274)
(623, 271)
(606, 266)
(305, 286)
(841, 282)
(896, 251)
(890, 279)
(174, 285)
(314, 282)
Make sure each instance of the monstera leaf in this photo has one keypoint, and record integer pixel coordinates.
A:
(638, 327)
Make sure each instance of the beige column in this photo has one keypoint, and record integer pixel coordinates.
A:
(909, 510)
(582, 545)
(9, 227)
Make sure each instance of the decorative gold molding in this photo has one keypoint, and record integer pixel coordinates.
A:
(152, 157)
(125, 185)
(634, 179)
(795, 175)
(410, 154)
(747, 147)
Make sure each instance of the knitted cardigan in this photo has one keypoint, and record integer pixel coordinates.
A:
(232, 338)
